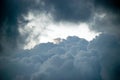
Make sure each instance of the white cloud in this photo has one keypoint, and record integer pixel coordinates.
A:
(42, 28)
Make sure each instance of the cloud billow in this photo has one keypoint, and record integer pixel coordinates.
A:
(66, 60)
(108, 48)
(73, 59)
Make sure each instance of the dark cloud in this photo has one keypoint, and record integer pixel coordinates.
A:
(70, 10)
(110, 23)
(73, 59)
(112, 5)
(85, 11)
(107, 24)
(61, 10)
(76, 58)
(10, 12)
(108, 48)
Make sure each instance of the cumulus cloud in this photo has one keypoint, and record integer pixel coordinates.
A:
(67, 60)
(73, 59)
(108, 48)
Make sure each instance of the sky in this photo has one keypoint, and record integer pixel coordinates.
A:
(59, 40)
(51, 30)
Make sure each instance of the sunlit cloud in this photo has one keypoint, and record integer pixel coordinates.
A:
(42, 29)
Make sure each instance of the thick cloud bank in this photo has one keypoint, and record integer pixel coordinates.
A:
(71, 59)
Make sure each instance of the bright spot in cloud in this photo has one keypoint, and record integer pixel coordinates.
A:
(42, 29)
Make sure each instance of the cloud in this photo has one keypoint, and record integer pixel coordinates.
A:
(74, 59)
(73, 11)
(10, 11)
(67, 60)
(70, 10)
(88, 11)
(112, 5)
(109, 23)
(108, 48)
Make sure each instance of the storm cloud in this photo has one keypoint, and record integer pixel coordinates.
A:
(73, 11)
(110, 22)
(71, 59)
(10, 11)
(11, 16)
(108, 48)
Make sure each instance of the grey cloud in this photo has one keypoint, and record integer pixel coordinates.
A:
(61, 10)
(110, 23)
(72, 59)
(72, 64)
(108, 48)
(67, 60)
(77, 58)
(10, 12)
(107, 24)
(112, 5)
(85, 11)
(71, 10)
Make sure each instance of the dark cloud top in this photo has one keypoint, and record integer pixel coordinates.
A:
(67, 60)
(71, 10)
(10, 12)
(113, 5)
(111, 22)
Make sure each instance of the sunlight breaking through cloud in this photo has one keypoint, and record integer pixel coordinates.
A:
(42, 28)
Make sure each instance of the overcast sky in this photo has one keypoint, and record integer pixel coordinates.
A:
(81, 37)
